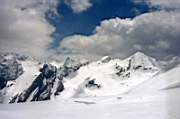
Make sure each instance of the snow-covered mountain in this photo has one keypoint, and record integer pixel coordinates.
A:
(29, 70)
(31, 80)
(109, 76)
(34, 81)
(134, 87)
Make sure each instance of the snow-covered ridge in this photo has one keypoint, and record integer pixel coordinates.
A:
(105, 77)
(109, 76)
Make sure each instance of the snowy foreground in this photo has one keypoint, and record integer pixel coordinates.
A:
(159, 106)
(156, 98)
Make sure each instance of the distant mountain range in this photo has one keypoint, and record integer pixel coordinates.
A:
(23, 79)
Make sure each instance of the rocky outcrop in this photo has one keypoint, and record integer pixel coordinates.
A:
(10, 69)
(71, 66)
(46, 84)
(91, 83)
(137, 62)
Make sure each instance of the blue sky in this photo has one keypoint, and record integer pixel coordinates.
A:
(90, 28)
(84, 23)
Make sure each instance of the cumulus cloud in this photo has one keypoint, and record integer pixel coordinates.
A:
(162, 3)
(155, 33)
(23, 26)
(24, 29)
(79, 6)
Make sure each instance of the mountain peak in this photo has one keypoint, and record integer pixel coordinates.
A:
(139, 54)
(139, 58)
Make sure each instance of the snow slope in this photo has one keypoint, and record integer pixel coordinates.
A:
(164, 81)
(165, 105)
(105, 74)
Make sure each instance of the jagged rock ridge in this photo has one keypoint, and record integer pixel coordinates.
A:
(47, 83)
(107, 76)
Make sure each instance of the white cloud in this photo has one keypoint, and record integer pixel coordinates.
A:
(155, 33)
(162, 3)
(23, 26)
(24, 29)
(79, 6)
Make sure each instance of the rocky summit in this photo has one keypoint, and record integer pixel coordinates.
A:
(47, 83)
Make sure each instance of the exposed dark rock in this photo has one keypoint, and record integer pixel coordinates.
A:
(71, 66)
(60, 88)
(92, 83)
(137, 67)
(42, 86)
(129, 64)
(10, 69)
(48, 83)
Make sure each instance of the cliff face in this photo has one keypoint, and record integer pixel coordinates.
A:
(10, 69)
(46, 84)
